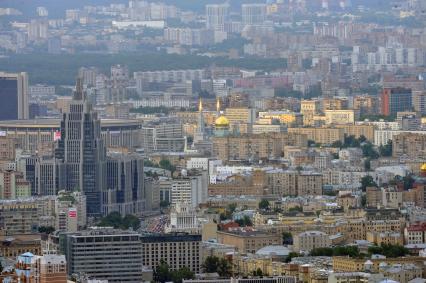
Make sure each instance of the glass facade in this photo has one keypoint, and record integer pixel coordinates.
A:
(9, 98)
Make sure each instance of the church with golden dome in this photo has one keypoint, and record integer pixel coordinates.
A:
(221, 125)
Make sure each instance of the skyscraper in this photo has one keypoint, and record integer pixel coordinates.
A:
(81, 152)
(14, 96)
(216, 16)
(110, 183)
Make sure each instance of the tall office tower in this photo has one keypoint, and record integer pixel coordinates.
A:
(14, 96)
(253, 14)
(396, 100)
(125, 185)
(81, 152)
(217, 16)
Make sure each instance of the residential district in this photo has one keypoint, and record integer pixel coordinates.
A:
(270, 142)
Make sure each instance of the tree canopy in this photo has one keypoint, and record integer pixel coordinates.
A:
(214, 264)
(389, 250)
(46, 229)
(351, 251)
(115, 220)
(162, 273)
(367, 181)
(264, 204)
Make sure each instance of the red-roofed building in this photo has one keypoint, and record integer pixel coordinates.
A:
(229, 226)
(415, 234)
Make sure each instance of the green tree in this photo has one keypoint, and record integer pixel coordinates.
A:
(245, 221)
(115, 220)
(408, 182)
(214, 264)
(177, 276)
(367, 181)
(287, 238)
(46, 229)
(351, 251)
(295, 209)
(264, 204)
(258, 272)
(367, 164)
(322, 252)
(290, 256)
(131, 221)
(337, 144)
(162, 272)
(386, 150)
(363, 200)
(232, 207)
(211, 264)
(369, 151)
(351, 141)
(389, 250)
(165, 164)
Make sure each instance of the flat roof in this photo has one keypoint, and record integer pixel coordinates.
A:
(55, 123)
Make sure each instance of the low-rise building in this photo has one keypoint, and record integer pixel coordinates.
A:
(248, 241)
(104, 253)
(307, 241)
(13, 246)
(415, 234)
(177, 250)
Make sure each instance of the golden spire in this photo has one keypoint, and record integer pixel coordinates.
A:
(200, 105)
(218, 105)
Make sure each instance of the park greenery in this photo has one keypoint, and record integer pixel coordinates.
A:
(264, 204)
(115, 220)
(244, 222)
(42, 68)
(162, 273)
(287, 238)
(389, 250)
(367, 181)
(315, 91)
(150, 110)
(46, 229)
(221, 266)
(351, 251)
(227, 214)
(290, 256)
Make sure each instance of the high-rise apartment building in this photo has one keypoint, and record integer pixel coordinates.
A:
(81, 152)
(14, 96)
(253, 14)
(396, 100)
(217, 16)
(104, 254)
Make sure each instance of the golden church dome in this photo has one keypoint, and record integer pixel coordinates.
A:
(222, 121)
(423, 168)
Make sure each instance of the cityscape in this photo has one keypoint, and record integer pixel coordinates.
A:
(216, 141)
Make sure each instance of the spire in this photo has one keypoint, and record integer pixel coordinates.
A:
(79, 92)
(218, 105)
(200, 105)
